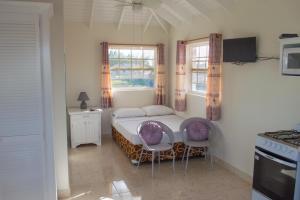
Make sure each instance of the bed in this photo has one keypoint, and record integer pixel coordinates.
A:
(124, 133)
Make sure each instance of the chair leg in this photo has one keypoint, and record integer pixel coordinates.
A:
(187, 158)
(158, 159)
(211, 157)
(173, 152)
(141, 155)
(185, 147)
(153, 155)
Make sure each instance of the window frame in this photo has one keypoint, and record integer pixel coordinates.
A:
(135, 47)
(190, 65)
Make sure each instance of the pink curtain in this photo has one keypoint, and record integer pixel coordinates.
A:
(180, 92)
(106, 94)
(213, 95)
(160, 93)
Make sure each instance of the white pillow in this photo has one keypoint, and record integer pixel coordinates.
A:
(157, 110)
(129, 112)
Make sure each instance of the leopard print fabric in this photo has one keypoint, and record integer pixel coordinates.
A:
(133, 151)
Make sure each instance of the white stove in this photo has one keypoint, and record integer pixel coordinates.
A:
(277, 166)
(283, 143)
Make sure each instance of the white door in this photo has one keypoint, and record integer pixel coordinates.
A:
(22, 125)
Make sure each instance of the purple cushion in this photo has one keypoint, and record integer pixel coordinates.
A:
(152, 133)
(197, 131)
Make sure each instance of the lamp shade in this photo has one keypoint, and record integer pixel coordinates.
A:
(83, 97)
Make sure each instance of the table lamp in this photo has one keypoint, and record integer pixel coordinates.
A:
(83, 97)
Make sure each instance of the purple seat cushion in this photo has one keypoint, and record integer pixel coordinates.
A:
(197, 131)
(152, 133)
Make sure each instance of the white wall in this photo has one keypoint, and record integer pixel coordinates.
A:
(59, 99)
(83, 58)
(256, 98)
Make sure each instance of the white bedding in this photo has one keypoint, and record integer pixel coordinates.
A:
(128, 126)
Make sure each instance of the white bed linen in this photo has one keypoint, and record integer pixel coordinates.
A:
(128, 126)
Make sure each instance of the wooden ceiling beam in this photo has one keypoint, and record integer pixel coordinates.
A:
(168, 17)
(121, 18)
(199, 9)
(148, 22)
(92, 16)
(224, 5)
(176, 8)
(158, 20)
(172, 12)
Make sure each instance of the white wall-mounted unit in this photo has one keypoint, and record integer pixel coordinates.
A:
(290, 56)
(26, 128)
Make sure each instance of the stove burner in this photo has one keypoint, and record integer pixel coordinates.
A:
(289, 136)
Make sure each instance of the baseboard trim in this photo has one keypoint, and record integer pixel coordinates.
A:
(234, 170)
(61, 194)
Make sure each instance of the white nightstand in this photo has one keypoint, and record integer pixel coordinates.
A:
(85, 126)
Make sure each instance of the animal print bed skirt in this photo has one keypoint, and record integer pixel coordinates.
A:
(133, 151)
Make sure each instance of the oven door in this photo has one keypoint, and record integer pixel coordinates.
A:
(274, 176)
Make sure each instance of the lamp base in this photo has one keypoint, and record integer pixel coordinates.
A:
(83, 105)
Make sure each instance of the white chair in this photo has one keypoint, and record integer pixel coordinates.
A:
(151, 134)
(195, 132)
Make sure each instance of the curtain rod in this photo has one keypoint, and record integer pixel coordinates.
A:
(122, 44)
(192, 40)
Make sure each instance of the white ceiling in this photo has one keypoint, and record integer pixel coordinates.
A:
(159, 13)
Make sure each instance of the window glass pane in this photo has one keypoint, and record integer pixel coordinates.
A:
(114, 63)
(137, 53)
(194, 87)
(125, 74)
(128, 67)
(120, 83)
(148, 54)
(137, 64)
(201, 85)
(148, 63)
(148, 74)
(203, 51)
(194, 77)
(125, 53)
(202, 64)
(195, 52)
(194, 64)
(114, 74)
(199, 61)
(124, 63)
(113, 53)
(142, 82)
(137, 74)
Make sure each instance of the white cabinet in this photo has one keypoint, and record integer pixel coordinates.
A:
(85, 126)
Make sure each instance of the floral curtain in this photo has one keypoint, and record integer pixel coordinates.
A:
(180, 92)
(160, 93)
(106, 93)
(213, 95)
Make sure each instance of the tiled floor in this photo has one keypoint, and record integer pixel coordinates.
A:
(106, 173)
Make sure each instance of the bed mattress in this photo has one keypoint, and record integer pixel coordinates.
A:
(128, 126)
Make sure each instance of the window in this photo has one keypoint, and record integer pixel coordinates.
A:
(199, 66)
(132, 67)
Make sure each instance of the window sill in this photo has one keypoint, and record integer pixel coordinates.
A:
(198, 94)
(132, 89)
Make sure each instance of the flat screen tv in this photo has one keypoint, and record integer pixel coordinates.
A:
(239, 50)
